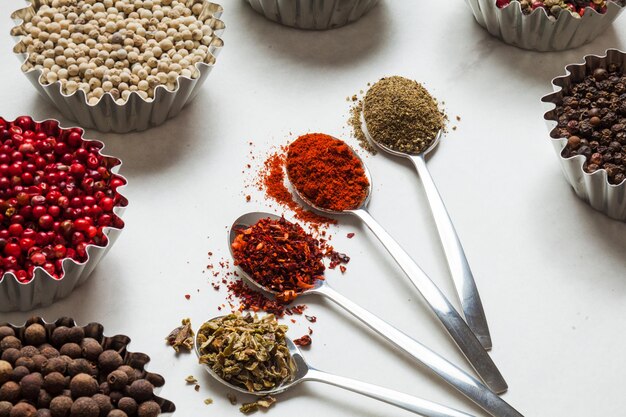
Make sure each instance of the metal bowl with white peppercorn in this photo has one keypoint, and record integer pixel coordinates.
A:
(116, 65)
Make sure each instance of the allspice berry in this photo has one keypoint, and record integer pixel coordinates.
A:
(85, 407)
(83, 385)
(76, 335)
(117, 380)
(43, 399)
(10, 391)
(35, 335)
(5, 408)
(10, 342)
(6, 331)
(27, 362)
(23, 410)
(73, 350)
(60, 336)
(80, 366)
(6, 370)
(109, 361)
(104, 404)
(128, 405)
(39, 360)
(117, 413)
(130, 372)
(149, 409)
(54, 383)
(18, 373)
(141, 390)
(91, 349)
(155, 379)
(44, 412)
(10, 355)
(28, 351)
(49, 352)
(61, 406)
(30, 385)
(54, 365)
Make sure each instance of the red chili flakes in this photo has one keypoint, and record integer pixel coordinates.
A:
(253, 300)
(350, 235)
(312, 319)
(342, 269)
(248, 198)
(303, 341)
(188, 296)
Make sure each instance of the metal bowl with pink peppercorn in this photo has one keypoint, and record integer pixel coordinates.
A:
(539, 30)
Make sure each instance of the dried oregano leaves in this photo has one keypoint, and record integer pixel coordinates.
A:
(402, 115)
(247, 351)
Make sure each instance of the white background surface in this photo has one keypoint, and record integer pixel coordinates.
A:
(550, 269)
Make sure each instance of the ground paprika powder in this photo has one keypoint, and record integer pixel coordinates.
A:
(327, 172)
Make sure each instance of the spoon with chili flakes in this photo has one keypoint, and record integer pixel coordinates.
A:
(279, 258)
(281, 366)
(330, 177)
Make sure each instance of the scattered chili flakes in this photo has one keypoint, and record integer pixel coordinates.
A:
(342, 269)
(303, 341)
(248, 198)
(181, 337)
(312, 319)
(350, 235)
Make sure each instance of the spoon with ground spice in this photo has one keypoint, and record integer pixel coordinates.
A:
(280, 259)
(262, 348)
(402, 118)
(330, 177)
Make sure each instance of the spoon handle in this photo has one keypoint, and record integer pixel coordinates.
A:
(459, 379)
(416, 405)
(455, 255)
(449, 317)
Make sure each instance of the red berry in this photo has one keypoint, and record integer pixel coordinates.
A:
(12, 249)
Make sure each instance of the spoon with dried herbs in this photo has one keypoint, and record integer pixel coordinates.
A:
(282, 260)
(253, 355)
(402, 118)
(330, 177)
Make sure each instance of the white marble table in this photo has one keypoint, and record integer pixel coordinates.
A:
(550, 269)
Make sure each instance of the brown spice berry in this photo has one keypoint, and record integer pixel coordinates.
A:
(10, 342)
(116, 396)
(149, 409)
(104, 404)
(83, 385)
(44, 412)
(28, 351)
(128, 405)
(117, 380)
(60, 336)
(49, 352)
(5, 408)
(109, 360)
(73, 350)
(25, 361)
(54, 365)
(54, 383)
(130, 372)
(10, 391)
(117, 413)
(39, 361)
(10, 355)
(76, 335)
(91, 349)
(6, 331)
(61, 406)
(35, 334)
(155, 379)
(19, 372)
(85, 407)
(23, 410)
(43, 399)
(141, 390)
(30, 385)
(6, 370)
(80, 366)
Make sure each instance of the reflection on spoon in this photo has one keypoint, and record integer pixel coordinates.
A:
(304, 372)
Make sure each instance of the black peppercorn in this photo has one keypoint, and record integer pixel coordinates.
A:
(117, 380)
(76, 335)
(85, 407)
(104, 404)
(10, 355)
(83, 385)
(73, 350)
(5, 408)
(6, 370)
(6, 331)
(10, 391)
(54, 383)
(35, 334)
(91, 349)
(109, 361)
(23, 410)
(117, 413)
(60, 336)
(18, 373)
(141, 390)
(128, 405)
(30, 386)
(61, 406)
(10, 342)
(149, 409)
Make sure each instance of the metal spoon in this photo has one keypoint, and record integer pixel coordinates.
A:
(455, 255)
(459, 379)
(305, 372)
(443, 309)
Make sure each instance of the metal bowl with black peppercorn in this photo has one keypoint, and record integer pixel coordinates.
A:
(587, 121)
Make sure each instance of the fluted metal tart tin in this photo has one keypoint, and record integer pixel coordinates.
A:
(118, 343)
(136, 114)
(313, 14)
(595, 187)
(537, 31)
(43, 289)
